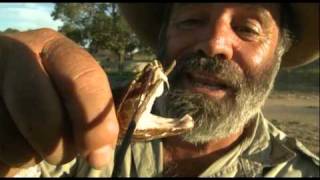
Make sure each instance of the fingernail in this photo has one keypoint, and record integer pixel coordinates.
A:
(101, 157)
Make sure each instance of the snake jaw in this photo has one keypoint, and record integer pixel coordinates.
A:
(149, 126)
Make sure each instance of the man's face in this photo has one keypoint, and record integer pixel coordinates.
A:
(226, 63)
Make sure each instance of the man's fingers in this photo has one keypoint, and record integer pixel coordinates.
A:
(14, 149)
(34, 105)
(7, 171)
(82, 88)
(85, 91)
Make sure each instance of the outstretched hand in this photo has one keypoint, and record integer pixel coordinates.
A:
(55, 102)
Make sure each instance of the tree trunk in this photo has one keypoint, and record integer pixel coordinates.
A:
(121, 55)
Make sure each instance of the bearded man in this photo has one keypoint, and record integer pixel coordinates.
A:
(228, 55)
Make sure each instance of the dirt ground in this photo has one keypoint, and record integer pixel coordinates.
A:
(297, 114)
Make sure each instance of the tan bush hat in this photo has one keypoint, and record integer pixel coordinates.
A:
(145, 20)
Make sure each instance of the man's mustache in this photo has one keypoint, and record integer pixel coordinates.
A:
(224, 70)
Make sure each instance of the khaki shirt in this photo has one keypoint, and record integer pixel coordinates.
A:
(265, 151)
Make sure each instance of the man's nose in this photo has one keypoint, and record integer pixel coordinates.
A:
(216, 41)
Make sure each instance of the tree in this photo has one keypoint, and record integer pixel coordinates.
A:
(10, 30)
(76, 18)
(97, 26)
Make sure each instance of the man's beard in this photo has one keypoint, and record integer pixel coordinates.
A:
(216, 119)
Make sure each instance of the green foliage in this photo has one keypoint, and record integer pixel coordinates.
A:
(77, 19)
(97, 26)
(10, 30)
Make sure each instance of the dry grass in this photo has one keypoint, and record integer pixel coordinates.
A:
(299, 83)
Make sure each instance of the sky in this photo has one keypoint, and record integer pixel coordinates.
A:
(24, 16)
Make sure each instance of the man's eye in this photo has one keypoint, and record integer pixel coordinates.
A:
(247, 31)
(189, 23)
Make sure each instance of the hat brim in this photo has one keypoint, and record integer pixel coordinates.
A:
(145, 20)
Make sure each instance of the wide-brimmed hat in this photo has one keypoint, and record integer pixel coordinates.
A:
(145, 20)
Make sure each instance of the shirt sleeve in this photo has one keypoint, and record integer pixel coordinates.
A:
(65, 170)
(34, 171)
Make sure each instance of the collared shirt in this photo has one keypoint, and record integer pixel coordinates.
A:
(265, 151)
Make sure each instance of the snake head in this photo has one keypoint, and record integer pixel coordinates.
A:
(136, 105)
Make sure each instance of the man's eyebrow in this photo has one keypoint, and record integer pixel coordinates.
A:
(178, 6)
(261, 11)
(257, 8)
(181, 5)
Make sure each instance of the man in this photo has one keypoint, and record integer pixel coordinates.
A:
(227, 56)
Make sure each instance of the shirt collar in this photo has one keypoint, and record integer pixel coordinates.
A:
(257, 146)
(264, 147)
